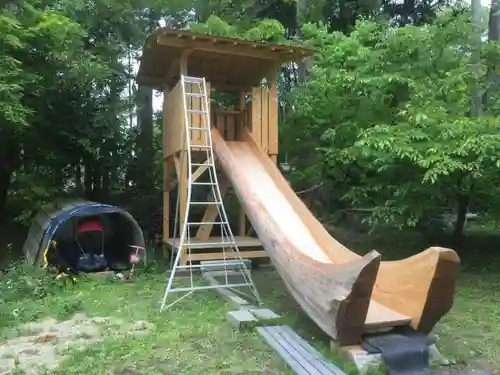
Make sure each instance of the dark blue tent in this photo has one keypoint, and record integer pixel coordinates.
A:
(121, 230)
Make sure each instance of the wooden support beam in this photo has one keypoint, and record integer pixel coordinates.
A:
(158, 81)
(242, 217)
(273, 113)
(210, 214)
(168, 178)
(225, 87)
(242, 225)
(181, 166)
(166, 221)
(168, 175)
(173, 68)
(200, 170)
(184, 61)
(229, 255)
(172, 183)
(255, 50)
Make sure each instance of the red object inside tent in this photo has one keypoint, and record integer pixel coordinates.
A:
(90, 225)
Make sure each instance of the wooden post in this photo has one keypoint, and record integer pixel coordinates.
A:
(166, 203)
(181, 166)
(211, 212)
(166, 177)
(273, 116)
(182, 161)
(242, 217)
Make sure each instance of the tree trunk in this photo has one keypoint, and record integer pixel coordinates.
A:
(5, 178)
(493, 35)
(462, 206)
(106, 182)
(476, 97)
(304, 65)
(145, 154)
(87, 180)
(9, 160)
(96, 183)
(78, 178)
(494, 21)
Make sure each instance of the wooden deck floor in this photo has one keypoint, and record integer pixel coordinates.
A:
(213, 242)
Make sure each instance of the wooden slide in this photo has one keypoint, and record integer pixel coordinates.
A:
(344, 293)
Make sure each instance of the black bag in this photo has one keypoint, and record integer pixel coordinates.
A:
(92, 263)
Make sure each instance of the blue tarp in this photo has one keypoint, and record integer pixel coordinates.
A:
(90, 209)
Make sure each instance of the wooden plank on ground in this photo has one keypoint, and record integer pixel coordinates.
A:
(290, 360)
(306, 351)
(302, 358)
(312, 354)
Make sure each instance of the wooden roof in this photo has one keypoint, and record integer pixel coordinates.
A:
(222, 61)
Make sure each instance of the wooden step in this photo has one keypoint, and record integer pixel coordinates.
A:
(379, 317)
(213, 242)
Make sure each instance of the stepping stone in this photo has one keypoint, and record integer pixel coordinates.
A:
(242, 319)
(264, 314)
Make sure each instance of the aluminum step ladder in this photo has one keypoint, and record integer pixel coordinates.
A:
(232, 264)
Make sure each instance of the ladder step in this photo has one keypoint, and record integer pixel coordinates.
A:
(215, 264)
(204, 203)
(202, 164)
(199, 111)
(205, 244)
(201, 146)
(208, 223)
(203, 183)
(200, 129)
(195, 94)
(193, 79)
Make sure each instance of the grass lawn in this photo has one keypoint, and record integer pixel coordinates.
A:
(194, 337)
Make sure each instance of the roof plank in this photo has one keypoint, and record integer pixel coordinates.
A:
(227, 61)
(234, 46)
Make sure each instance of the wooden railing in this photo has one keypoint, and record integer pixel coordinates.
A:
(230, 122)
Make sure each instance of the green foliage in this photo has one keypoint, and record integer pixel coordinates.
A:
(12, 110)
(67, 66)
(62, 126)
(266, 30)
(24, 283)
(214, 26)
(387, 111)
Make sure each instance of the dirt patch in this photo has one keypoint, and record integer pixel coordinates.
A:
(44, 344)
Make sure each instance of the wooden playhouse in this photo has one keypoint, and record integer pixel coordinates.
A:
(246, 72)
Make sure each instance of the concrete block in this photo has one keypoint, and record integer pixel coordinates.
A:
(265, 314)
(242, 319)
